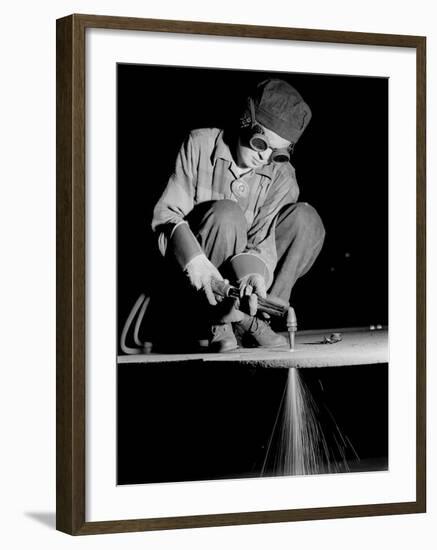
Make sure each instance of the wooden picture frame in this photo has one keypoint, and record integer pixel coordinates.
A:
(71, 277)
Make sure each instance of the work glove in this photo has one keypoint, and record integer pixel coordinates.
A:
(252, 286)
(201, 272)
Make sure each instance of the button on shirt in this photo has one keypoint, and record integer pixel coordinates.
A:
(205, 171)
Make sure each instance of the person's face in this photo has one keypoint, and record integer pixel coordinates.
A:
(249, 158)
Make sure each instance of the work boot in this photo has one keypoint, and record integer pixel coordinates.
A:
(259, 333)
(222, 338)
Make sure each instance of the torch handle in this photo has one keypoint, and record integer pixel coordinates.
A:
(271, 305)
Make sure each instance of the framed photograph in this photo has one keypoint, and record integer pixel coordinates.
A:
(240, 274)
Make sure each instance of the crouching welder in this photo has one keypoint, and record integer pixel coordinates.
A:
(230, 211)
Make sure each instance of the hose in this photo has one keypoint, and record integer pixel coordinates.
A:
(142, 302)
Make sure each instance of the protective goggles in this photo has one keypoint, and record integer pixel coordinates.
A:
(256, 139)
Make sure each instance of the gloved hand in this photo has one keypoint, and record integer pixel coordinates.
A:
(201, 272)
(252, 285)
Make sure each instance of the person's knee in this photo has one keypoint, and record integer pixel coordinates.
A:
(309, 217)
(227, 213)
(304, 217)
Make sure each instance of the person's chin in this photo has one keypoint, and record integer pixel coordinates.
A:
(252, 163)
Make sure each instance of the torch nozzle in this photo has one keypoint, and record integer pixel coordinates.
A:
(291, 326)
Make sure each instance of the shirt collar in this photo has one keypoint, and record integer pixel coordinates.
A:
(221, 150)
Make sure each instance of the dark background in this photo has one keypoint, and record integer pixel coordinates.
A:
(185, 423)
(210, 423)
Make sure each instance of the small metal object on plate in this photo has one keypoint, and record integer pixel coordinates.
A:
(333, 338)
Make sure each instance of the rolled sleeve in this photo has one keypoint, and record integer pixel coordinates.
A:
(177, 199)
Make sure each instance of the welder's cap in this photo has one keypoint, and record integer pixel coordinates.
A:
(280, 108)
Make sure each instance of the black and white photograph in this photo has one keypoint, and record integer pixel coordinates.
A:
(252, 274)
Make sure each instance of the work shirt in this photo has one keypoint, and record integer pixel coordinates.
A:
(205, 170)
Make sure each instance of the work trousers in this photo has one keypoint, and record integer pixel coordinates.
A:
(221, 229)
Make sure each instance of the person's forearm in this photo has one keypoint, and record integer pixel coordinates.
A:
(184, 244)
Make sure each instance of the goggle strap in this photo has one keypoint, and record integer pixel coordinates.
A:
(252, 112)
